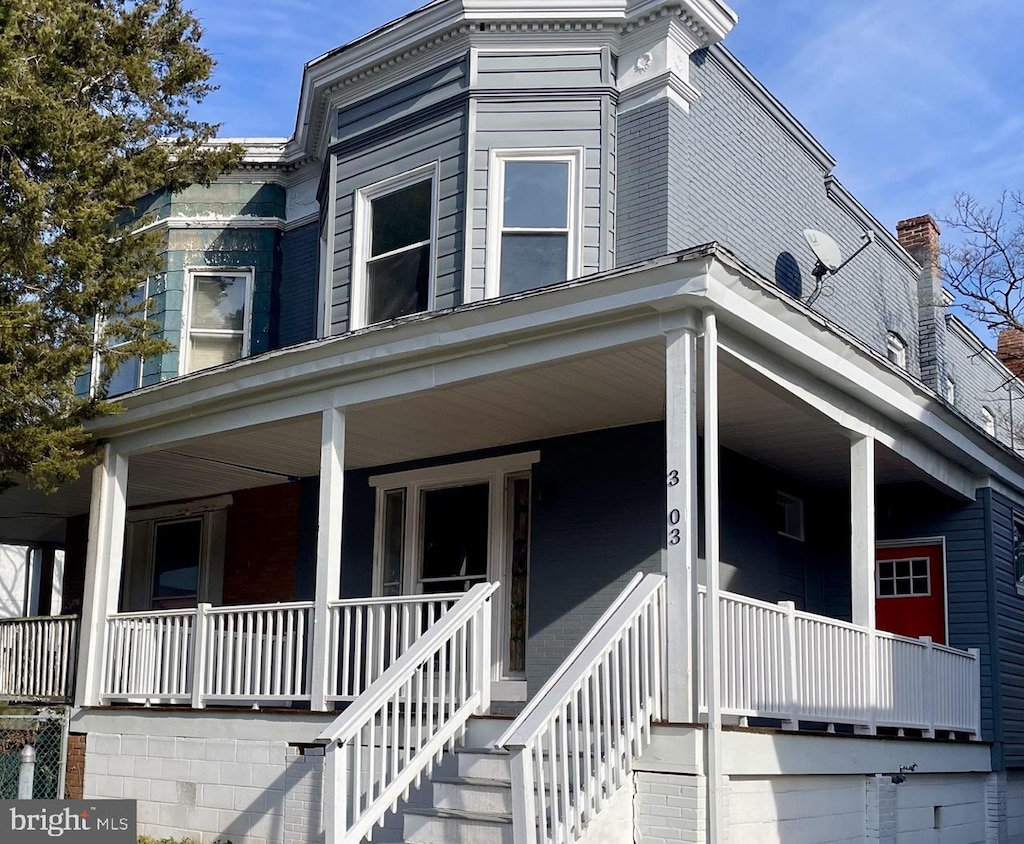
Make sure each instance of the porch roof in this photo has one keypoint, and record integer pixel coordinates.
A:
(584, 355)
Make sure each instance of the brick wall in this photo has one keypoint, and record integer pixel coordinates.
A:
(728, 171)
(74, 779)
(261, 548)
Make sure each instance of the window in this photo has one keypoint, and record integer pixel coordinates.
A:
(394, 248)
(896, 350)
(791, 516)
(177, 553)
(988, 421)
(532, 236)
(903, 578)
(950, 391)
(127, 375)
(217, 329)
(174, 555)
(1018, 551)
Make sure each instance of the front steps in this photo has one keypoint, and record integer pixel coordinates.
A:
(473, 805)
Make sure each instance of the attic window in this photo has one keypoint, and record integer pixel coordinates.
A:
(988, 421)
(896, 349)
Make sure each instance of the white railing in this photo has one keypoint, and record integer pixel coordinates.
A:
(781, 663)
(149, 656)
(574, 744)
(392, 734)
(368, 635)
(37, 657)
(254, 653)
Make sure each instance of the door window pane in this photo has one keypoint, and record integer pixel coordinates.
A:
(455, 528)
(519, 569)
(903, 577)
(176, 554)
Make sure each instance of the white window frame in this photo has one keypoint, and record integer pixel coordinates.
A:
(361, 231)
(496, 206)
(896, 349)
(494, 471)
(950, 391)
(100, 325)
(186, 313)
(988, 421)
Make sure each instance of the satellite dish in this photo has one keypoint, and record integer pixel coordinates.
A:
(830, 259)
(825, 249)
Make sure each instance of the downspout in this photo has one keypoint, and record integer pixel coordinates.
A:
(713, 768)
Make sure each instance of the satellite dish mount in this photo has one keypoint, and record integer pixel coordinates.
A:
(829, 258)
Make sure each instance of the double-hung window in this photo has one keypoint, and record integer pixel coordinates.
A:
(533, 229)
(394, 248)
(126, 374)
(217, 328)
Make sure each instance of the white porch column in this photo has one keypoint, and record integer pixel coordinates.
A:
(104, 560)
(680, 564)
(328, 547)
(862, 525)
(713, 671)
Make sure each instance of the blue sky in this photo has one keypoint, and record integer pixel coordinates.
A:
(916, 99)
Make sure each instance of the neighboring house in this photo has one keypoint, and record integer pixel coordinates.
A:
(497, 394)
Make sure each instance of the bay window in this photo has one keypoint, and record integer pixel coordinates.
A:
(533, 230)
(217, 318)
(393, 240)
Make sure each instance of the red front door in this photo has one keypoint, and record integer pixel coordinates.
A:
(910, 590)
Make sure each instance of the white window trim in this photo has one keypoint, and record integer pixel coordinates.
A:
(988, 421)
(896, 349)
(98, 327)
(494, 471)
(361, 211)
(495, 204)
(186, 311)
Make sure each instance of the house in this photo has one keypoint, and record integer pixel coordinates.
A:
(514, 480)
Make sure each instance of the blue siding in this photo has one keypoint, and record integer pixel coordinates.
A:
(907, 511)
(296, 294)
(1009, 614)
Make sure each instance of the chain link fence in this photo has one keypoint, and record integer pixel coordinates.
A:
(46, 731)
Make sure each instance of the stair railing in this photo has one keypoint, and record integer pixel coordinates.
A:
(397, 729)
(574, 744)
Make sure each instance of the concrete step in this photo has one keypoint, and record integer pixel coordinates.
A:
(454, 826)
(483, 763)
(473, 794)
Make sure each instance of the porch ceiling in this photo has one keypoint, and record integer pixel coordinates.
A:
(619, 387)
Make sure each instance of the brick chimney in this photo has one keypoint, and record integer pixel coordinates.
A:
(1010, 350)
(920, 237)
